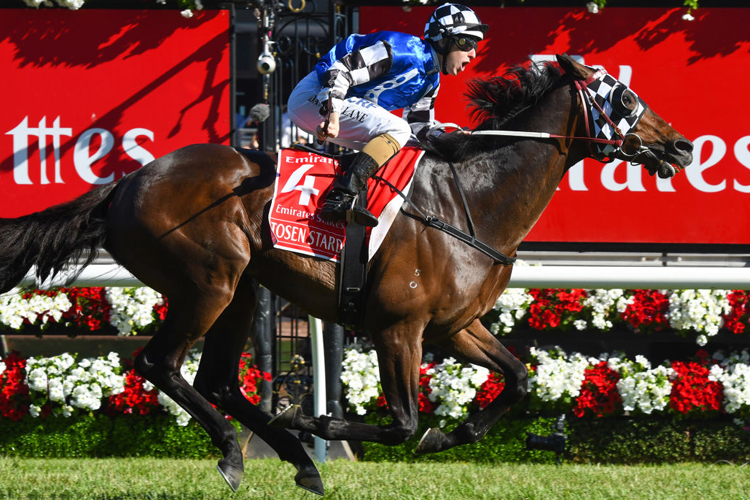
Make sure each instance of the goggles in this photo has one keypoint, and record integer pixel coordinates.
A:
(466, 43)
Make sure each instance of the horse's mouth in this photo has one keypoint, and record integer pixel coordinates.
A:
(666, 163)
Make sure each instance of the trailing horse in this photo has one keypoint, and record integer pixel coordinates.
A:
(193, 225)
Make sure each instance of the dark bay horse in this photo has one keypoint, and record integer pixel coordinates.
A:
(193, 226)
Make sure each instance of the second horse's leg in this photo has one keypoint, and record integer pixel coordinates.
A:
(479, 346)
(217, 381)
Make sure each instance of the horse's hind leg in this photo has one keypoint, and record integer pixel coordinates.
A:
(477, 345)
(399, 356)
(190, 315)
(217, 381)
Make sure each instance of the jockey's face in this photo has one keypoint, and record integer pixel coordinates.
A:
(458, 59)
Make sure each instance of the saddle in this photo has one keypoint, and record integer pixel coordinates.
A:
(358, 242)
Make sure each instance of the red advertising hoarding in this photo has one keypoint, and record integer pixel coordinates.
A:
(91, 95)
(693, 74)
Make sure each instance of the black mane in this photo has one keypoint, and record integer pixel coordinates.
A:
(497, 100)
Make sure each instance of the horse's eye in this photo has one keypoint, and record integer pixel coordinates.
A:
(624, 101)
(629, 100)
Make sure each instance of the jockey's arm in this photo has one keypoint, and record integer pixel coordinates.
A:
(421, 117)
(355, 68)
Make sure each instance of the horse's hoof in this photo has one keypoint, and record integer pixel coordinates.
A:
(430, 442)
(309, 479)
(285, 419)
(231, 474)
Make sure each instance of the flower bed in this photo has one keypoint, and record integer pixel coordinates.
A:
(620, 410)
(68, 394)
(698, 314)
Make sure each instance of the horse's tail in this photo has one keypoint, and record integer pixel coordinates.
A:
(54, 237)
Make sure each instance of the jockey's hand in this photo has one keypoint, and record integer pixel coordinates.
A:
(331, 130)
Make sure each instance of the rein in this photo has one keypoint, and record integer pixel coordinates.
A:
(439, 224)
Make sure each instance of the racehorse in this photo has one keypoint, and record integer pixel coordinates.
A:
(193, 226)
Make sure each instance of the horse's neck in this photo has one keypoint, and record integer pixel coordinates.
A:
(520, 178)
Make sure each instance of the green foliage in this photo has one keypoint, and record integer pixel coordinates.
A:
(506, 442)
(606, 440)
(102, 436)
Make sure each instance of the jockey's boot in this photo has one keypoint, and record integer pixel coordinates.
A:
(345, 188)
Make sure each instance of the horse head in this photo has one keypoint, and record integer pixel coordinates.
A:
(622, 126)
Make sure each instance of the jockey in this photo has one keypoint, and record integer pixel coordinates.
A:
(364, 77)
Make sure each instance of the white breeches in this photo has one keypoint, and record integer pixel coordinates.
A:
(360, 120)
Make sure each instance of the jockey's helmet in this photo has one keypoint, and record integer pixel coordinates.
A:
(452, 21)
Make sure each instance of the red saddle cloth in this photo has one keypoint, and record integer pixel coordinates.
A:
(304, 178)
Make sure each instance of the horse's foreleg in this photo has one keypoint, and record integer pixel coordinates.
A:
(399, 355)
(217, 381)
(480, 347)
(160, 363)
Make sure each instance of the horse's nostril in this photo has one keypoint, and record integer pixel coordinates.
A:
(682, 146)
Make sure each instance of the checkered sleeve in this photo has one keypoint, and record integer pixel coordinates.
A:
(355, 68)
(421, 115)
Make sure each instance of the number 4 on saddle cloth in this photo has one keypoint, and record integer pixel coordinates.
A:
(303, 179)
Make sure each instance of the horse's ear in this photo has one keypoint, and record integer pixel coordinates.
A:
(567, 63)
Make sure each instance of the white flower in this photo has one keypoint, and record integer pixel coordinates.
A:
(68, 385)
(734, 374)
(2, 368)
(71, 4)
(556, 376)
(15, 310)
(132, 308)
(187, 14)
(361, 378)
(454, 386)
(592, 7)
(512, 304)
(699, 310)
(601, 303)
(642, 388)
(35, 411)
(688, 17)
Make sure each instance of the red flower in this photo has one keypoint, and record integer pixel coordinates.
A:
(692, 392)
(553, 307)
(648, 308)
(161, 309)
(490, 389)
(599, 394)
(249, 379)
(89, 307)
(134, 398)
(737, 319)
(14, 393)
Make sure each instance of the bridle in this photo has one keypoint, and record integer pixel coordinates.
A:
(605, 138)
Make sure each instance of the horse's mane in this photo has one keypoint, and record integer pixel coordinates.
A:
(497, 100)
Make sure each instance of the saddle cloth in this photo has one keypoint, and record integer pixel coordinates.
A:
(303, 179)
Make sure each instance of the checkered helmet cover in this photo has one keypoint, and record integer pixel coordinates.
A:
(454, 19)
(600, 90)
